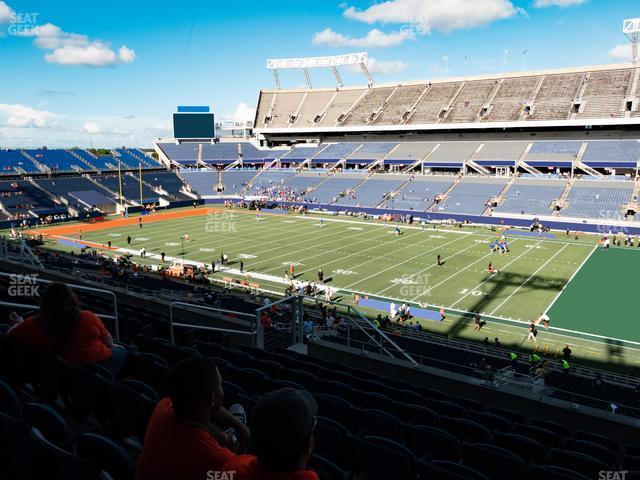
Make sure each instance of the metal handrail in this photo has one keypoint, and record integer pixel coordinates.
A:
(371, 325)
(255, 332)
(115, 317)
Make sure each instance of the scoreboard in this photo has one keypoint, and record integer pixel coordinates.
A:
(193, 123)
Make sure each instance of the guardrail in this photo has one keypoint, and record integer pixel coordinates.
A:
(116, 323)
(256, 332)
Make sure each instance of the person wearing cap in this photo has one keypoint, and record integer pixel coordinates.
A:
(282, 425)
(185, 438)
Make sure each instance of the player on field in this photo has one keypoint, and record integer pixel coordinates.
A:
(322, 222)
(186, 237)
(140, 221)
(439, 260)
(533, 333)
(397, 230)
(80, 235)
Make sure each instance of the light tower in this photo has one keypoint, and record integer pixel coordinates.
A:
(631, 29)
(305, 64)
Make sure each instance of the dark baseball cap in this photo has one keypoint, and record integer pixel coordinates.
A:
(281, 424)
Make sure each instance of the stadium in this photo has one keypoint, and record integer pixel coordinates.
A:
(429, 279)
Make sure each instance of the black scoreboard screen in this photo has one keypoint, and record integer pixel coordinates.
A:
(193, 125)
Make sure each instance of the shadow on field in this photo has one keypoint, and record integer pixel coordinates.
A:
(496, 284)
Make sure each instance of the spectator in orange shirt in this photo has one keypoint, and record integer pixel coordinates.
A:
(282, 425)
(63, 328)
(185, 438)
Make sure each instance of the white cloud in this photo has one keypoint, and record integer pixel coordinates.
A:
(76, 49)
(126, 55)
(382, 67)
(374, 39)
(6, 13)
(22, 116)
(428, 15)
(244, 113)
(621, 52)
(557, 3)
(93, 127)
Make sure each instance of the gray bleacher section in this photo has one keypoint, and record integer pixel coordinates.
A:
(372, 191)
(412, 151)
(612, 151)
(205, 182)
(183, 153)
(251, 152)
(305, 180)
(532, 196)
(420, 192)
(510, 151)
(597, 199)
(300, 153)
(64, 186)
(268, 179)
(555, 151)
(452, 152)
(167, 181)
(130, 187)
(336, 151)
(373, 151)
(471, 195)
(330, 190)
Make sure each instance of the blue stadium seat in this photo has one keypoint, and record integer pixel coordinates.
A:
(49, 422)
(16, 448)
(326, 469)
(554, 472)
(54, 462)
(106, 455)
(578, 462)
(380, 459)
(79, 389)
(335, 408)
(432, 443)
(527, 448)
(589, 448)
(542, 435)
(142, 388)
(493, 461)
(606, 442)
(378, 423)
(418, 415)
(492, 421)
(9, 402)
(446, 470)
(446, 407)
(331, 439)
(466, 429)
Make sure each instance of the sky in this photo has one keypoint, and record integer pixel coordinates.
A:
(106, 74)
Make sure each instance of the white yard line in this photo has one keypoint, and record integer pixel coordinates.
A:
(391, 224)
(458, 272)
(424, 269)
(527, 280)
(529, 250)
(555, 299)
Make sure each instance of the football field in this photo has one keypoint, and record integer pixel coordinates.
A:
(586, 291)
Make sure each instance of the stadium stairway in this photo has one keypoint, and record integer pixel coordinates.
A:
(500, 197)
(41, 166)
(446, 193)
(82, 160)
(563, 198)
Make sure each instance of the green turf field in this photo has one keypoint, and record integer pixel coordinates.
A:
(368, 258)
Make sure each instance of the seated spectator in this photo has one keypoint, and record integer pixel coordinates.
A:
(62, 328)
(185, 438)
(282, 425)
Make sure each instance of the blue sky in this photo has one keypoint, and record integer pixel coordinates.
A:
(113, 73)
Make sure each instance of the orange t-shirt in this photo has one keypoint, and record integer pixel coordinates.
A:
(247, 467)
(87, 342)
(176, 450)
